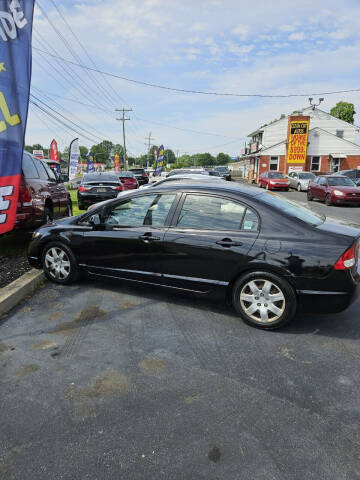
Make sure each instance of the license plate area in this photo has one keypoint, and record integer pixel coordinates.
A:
(101, 190)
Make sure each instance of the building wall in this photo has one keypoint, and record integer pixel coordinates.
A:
(277, 132)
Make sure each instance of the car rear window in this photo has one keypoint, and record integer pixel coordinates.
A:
(291, 208)
(29, 168)
(138, 170)
(99, 178)
(125, 174)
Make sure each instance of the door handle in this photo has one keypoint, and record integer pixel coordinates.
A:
(227, 243)
(148, 237)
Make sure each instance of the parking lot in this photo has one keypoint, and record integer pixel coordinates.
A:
(102, 381)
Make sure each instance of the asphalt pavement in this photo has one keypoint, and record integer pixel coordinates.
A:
(106, 381)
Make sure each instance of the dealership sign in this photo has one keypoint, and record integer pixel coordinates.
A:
(298, 131)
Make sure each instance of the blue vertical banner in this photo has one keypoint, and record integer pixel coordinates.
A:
(91, 163)
(159, 161)
(16, 17)
(74, 154)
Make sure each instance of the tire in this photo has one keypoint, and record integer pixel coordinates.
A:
(48, 215)
(69, 210)
(298, 187)
(281, 311)
(328, 201)
(59, 263)
(286, 189)
(81, 206)
(309, 196)
(267, 187)
(259, 185)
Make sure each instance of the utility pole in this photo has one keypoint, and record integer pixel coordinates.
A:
(123, 120)
(149, 139)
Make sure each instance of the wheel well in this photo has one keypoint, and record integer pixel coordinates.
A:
(49, 205)
(249, 270)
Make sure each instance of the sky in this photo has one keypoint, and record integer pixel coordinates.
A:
(229, 46)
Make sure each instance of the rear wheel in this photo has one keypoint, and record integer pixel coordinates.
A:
(328, 201)
(48, 215)
(264, 300)
(81, 206)
(59, 263)
(309, 196)
(69, 210)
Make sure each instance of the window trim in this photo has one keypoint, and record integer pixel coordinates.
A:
(311, 163)
(277, 164)
(239, 230)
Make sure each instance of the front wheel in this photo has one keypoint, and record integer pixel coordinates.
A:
(328, 201)
(59, 263)
(298, 187)
(309, 196)
(264, 300)
(267, 187)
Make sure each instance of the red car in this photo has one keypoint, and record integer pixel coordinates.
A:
(42, 197)
(128, 180)
(274, 181)
(334, 190)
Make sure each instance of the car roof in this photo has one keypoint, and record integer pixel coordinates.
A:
(220, 187)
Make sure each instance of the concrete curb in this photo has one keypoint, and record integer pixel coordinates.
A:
(12, 294)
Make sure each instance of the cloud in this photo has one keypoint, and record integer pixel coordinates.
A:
(241, 31)
(297, 36)
(287, 28)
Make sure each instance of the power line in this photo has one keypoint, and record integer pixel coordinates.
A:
(200, 92)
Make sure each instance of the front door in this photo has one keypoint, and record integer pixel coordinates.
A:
(208, 242)
(335, 165)
(129, 241)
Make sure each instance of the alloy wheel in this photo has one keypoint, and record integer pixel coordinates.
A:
(57, 263)
(262, 300)
(299, 187)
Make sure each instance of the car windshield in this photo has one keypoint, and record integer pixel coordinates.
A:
(340, 181)
(125, 174)
(275, 175)
(306, 176)
(221, 169)
(293, 209)
(93, 177)
(137, 170)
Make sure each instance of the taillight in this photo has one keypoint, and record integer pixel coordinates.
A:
(119, 187)
(24, 194)
(348, 259)
(84, 189)
(144, 175)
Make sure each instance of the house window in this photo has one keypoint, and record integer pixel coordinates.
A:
(340, 133)
(315, 164)
(274, 163)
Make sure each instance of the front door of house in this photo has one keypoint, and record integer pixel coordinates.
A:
(334, 165)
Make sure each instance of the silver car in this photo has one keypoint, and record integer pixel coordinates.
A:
(183, 176)
(300, 180)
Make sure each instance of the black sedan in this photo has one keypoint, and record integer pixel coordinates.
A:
(97, 187)
(268, 256)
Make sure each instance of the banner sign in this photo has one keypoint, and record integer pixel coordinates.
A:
(159, 161)
(54, 152)
(91, 163)
(117, 162)
(74, 154)
(15, 74)
(298, 132)
(39, 154)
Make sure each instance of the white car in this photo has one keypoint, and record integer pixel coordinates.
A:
(300, 180)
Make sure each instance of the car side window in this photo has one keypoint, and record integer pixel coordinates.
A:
(149, 210)
(322, 182)
(205, 212)
(51, 174)
(42, 171)
(28, 167)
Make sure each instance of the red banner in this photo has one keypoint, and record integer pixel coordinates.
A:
(117, 162)
(54, 152)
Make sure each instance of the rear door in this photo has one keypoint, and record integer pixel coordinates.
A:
(62, 196)
(208, 241)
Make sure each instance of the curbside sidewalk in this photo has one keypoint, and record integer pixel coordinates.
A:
(12, 294)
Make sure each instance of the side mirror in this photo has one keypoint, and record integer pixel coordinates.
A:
(95, 220)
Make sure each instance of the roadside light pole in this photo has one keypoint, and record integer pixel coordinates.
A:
(123, 120)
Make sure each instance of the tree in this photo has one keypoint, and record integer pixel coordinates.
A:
(223, 158)
(204, 160)
(83, 152)
(169, 156)
(102, 152)
(344, 110)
